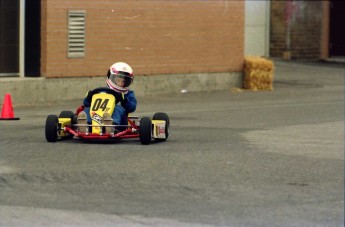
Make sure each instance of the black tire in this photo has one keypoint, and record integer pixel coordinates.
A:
(163, 117)
(145, 132)
(51, 130)
(68, 114)
(72, 116)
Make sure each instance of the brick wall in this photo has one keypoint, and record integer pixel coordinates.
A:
(277, 29)
(296, 28)
(154, 37)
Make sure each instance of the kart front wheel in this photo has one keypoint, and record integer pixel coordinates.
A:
(68, 114)
(51, 130)
(72, 116)
(145, 132)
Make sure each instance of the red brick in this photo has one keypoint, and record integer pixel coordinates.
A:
(154, 37)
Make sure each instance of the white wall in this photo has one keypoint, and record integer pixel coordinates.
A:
(257, 22)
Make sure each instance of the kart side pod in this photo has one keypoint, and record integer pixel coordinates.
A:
(159, 129)
(63, 122)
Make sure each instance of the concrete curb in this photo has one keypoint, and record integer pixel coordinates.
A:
(41, 91)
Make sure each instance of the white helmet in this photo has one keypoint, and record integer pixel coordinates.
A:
(120, 77)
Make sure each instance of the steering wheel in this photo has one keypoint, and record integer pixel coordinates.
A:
(116, 94)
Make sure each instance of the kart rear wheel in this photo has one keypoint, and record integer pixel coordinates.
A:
(163, 117)
(51, 129)
(68, 114)
(145, 132)
(72, 116)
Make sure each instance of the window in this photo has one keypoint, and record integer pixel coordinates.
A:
(76, 33)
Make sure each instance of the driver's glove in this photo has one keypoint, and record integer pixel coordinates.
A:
(123, 102)
(119, 97)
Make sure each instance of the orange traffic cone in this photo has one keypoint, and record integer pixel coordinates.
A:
(7, 109)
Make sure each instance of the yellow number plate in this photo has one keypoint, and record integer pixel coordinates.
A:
(101, 103)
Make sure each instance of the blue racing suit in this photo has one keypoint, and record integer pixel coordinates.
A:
(122, 109)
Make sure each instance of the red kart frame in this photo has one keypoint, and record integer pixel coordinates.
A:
(131, 132)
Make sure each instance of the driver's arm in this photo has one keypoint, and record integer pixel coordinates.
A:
(129, 102)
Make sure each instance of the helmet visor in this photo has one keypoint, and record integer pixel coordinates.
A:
(121, 80)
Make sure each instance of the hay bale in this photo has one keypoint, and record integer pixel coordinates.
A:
(258, 74)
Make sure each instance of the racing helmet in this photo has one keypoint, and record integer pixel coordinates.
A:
(120, 77)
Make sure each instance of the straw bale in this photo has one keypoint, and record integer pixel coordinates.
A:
(258, 74)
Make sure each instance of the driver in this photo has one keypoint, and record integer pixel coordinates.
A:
(119, 78)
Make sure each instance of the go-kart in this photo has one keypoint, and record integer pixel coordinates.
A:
(104, 100)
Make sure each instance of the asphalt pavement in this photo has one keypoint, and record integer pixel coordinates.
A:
(233, 158)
